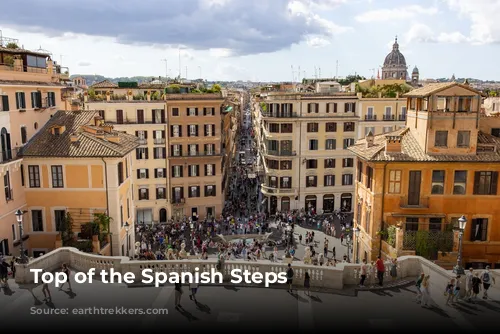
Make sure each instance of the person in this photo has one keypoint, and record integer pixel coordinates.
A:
(394, 269)
(307, 283)
(67, 272)
(194, 289)
(289, 277)
(300, 238)
(476, 285)
(4, 272)
(380, 270)
(448, 291)
(418, 285)
(468, 284)
(363, 270)
(178, 294)
(487, 279)
(426, 293)
(46, 291)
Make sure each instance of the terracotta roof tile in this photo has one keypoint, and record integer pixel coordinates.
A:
(88, 145)
(104, 84)
(30, 83)
(433, 88)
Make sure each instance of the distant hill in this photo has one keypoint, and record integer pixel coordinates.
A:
(93, 78)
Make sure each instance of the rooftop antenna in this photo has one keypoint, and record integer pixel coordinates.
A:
(337, 69)
(60, 59)
(293, 74)
(186, 72)
(299, 79)
(315, 73)
(319, 72)
(166, 68)
(373, 72)
(180, 68)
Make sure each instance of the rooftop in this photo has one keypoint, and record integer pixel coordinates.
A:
(104, 84)
(79, 137)
(435, 88)
(30, 83)
(411, 150)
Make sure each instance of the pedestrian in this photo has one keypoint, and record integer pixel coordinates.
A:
(418, 285)
(300, 238)
(468, 284)
(450, 288)
(178, 294)
(380, 270)
(46, 291)
(363, 272)
(426, 293)
(487, 280)
(476, 285)
(289, 277)
(333, 252)
(325, 250)
(307, 283)
(194, 289)
(67, 278)
(4, 272)
(394, 269)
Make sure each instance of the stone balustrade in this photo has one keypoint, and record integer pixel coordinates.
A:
(408, 267)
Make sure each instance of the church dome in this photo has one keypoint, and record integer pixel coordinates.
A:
(415, 70)
(395, 58)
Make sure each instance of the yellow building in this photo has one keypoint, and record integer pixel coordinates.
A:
(77, 165)
(413, 184)
(31, 87)
(380, 115)
(304, 139)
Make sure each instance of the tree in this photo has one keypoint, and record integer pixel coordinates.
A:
(12, 45)
(216, 88)
(350, 79)
(103, 221)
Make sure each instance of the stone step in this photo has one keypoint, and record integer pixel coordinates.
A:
(390, 285)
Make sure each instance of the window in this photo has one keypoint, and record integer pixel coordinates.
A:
(14, 232)
(7, 188)
(495, 132)
(329, 180)
(312, 108)
(209, 130)
(193, 130)
(464, 104)
(57, 176)
(178, 194)
(285, 182)
(37, 220)
(210, 170)
(369, 114)
(272, 181)
(141, 153)
(311, 181)
(192, 111)
(331, 107)
(209, 149)
(441, 139)
(479, 229)
(437, 186)
(329, 163)
(20, 100)
(51, 99)
(350, 107)
(177, 171)
(120, 173)
(463, 139)
(349, 127)
(176, 131)
(485, 183)
(193, 170)
(119, 117)
(128, 208)
(369, 177)
(285, 165)
(347, 162)
(312, 127)
(36, 100)
(193, 149)
(121, 216)
(367, 220)
(140, 116)
(143, 173)
(60, 220)
(160, 193)
(160, 173)
(313, 144)
(24, 135)
(34, 176)
(411, 224)
(347, 179)
(176, 150)
(210, 191)
(21, 171)
(330, 144)
(388, 114)
(175, 111)
(460, 182)
(159, 152)
(274, 128)
(394, 182)
(286, 128)
(5, 103)
(311, 163)
(360, 171)
(143, 194)
(209, 111)
(331, 127)
(159, 137)
(348, 142)
(387, 129)
(158, 116)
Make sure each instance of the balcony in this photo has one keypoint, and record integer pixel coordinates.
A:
(142, 141)
(402, 118)
(133, 122)
(370, 117)
(10, 155)
(279, 115)
(177, 200)
(159, 141)
(194, 154)
(280, 153)
(414, 203)
(389, 117)
(277, 191)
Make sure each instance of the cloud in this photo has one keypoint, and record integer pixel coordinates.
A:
(422, 33)
(84, 63)
(317, 42)
(244, 27)
(402, 13)
(483, 15)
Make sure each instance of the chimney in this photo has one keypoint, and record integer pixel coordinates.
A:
(359, 95)
(369, 139)
(148, 95)
(114, 138)
(74, 138)
(98, 121)
(393, 144)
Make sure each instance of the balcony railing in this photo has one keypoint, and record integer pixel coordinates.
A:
(194, 154)
(128, 121)
(142, 141)
(402, 118)
(370, 117)
(414, 202)
(159, 141)
(9, 155)
(389, 117)
(280, 153)
(280, 114)
(177, 200)
(272, 190)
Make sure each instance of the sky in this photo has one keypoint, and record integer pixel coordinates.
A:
(260, 40)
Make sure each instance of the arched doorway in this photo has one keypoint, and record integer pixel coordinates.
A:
(285, 204)
(346, 202)
(310, 203)
(273, 205)
(328, 203)
(163, 215)
(5, 145)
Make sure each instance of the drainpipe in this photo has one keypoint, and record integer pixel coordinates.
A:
(107, 202)
(382, 211)
(299, 154)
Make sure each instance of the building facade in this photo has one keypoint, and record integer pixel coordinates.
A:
(395, 64)
(413, 184)
(303, 141)
(76, 165)
(31, 86)
(380, 115)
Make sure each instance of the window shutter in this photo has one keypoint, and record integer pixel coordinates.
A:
(154, 134)
(204, 111)
(145, 134)
(163, 134)
(196, 130)
(484, 229)
(164, 172)
(198, 191)
(477, 175)
(494, 183)
(155, 155)
(324, 180)
(182, 192)
(213, 129)
(205, 130)
(5, 103)
(317, 107)
(198, 170)
(147, 153)
(147, 193)
(291, 107)
(33, 100)
(156, 173)
(473, 227)
(163, 115)
(164, 151)
(138, 173)
(156, 193)
(335, 107)
(39, 99)
(327, 107)
(308, 108)
(173, 171)
(137, 156)
(346, 107)
(213, 169)
(147, 173)
(181, 171)
(173, 194)
(354, 107)
(153, 116)
(180, 130)
(215, 191)
(189, 170)
(205, 170)
(171, 130)
(196, 111)
(137, 133)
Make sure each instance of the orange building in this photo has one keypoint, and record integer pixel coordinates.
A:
(77, 165)
(413, 184)
(31, 91)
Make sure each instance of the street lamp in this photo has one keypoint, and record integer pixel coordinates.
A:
(19, 216)
(462, 222)
(348, 241)
(356, 233)
(127, 227)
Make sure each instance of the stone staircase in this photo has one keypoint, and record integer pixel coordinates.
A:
(445, 264)
(387, 285)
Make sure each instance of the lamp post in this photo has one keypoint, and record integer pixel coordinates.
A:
(356, 234)
(127, 227)
(19, 217)
(459, 269)
(348, 241)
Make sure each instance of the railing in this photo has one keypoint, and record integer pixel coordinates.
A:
(320, 276)
(402, 118)
(159, 141)
(370, 117)
(280, 114)
(142, 141)
(127, 122)
(194, 154)
(280, 153)
(419, 202)
(272, 190)
(389, 117)
(23, 68)
(10, 155)
(177, 200)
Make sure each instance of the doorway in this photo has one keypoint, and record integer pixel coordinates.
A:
(210, 212)
(310, 203)
(4, 247)
(285, 204)
(346, 202)
(414, 187)
(163, 215)
(194, 213)
(274, 205)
